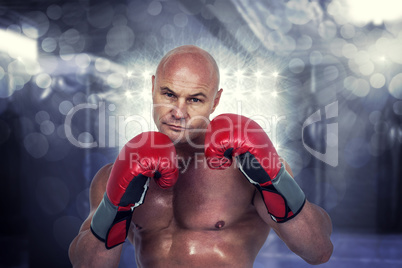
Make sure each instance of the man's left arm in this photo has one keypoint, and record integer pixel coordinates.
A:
(304, 227)
(307, 234)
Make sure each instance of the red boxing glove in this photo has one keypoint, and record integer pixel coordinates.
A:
(231, 135)
(148, 155)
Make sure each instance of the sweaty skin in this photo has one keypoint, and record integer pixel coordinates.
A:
(206, 220)
(209, 218)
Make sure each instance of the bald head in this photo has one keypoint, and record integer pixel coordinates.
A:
(189, 57)
(185, 92)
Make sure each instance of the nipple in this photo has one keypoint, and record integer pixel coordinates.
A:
(219, 224)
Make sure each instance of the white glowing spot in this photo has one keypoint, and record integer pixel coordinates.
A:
(382, 58)
(238, 94)
(145, 93)
(218, 251)
(129, 74)
(43, 80)
(128, 94)
(274, 94)
(146, 74)
(45, 93)
(65, 107)
(257, 93)
(18, 46)
(375, 11)
(82, 60)
(258, 74)
(377, 80)
(395, 86)
(362, 88)
(223, 76)
(275, 74)
(115, 80)
(192, 248)
(239, 74)
(102, 65)
(276, 145)
(296, 65)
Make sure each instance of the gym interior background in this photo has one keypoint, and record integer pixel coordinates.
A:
(324, 79)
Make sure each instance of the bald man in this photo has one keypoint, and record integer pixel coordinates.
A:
(204, 217)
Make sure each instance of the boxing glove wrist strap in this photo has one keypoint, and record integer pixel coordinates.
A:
(103, 218)
(109, 224)
(290, 190)
(282, 196)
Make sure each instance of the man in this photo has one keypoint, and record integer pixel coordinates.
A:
(208, 212)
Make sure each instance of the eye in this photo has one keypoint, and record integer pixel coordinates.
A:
(195, 100)
(169, 95)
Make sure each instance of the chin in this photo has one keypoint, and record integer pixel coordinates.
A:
(183, 137)
(174, 136)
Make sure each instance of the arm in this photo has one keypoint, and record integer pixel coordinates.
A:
(307, 234)
(86, 250)
(116, 191)
(304, 227)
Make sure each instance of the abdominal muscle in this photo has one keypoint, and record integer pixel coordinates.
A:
(212, 225)
(236, 245)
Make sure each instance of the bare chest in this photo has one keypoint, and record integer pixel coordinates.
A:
(202, 199)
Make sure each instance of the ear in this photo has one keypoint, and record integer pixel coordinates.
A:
(153, 83)
(216, 100)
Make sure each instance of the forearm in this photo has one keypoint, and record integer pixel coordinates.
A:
(308, 234)
(88, 251)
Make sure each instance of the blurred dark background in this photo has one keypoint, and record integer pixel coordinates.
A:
(75, 83)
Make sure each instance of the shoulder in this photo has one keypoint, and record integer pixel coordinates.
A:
(98, 185)
(102, 176)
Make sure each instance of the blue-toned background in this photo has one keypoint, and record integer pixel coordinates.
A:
(324, 79)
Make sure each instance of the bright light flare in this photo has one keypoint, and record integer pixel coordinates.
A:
(239, 74)
(375, 11)
(18, 46)
(146, 74)
(128, 94)
(257, 93)
(258, 74)
(275, 74)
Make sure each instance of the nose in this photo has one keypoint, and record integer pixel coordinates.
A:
(179, 111)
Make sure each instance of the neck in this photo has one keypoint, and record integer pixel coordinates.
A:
(188, 155)
(190, 148)
(186, 150)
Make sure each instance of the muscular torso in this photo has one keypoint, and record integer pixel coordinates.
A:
(206, 220)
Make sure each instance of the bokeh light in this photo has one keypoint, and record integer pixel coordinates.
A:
(36, 145)
(280, 61)
(395, 86)
(52, 204)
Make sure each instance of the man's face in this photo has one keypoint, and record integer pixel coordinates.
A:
(184, 95)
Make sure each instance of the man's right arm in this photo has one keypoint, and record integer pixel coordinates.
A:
(115, 192)
(86, 250)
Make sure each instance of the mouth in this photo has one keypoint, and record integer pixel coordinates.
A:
(175, 127)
